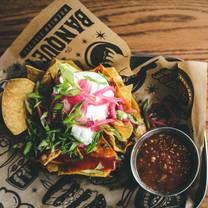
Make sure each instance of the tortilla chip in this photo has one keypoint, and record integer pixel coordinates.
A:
(53, 70)
(52, 167)
(33, 73)
(125, 129)
(104, 155)
(47, 158)
(125, 93)
(112, 73)
(117, 145)
(103, 149)
(13, 104)
(140, 130)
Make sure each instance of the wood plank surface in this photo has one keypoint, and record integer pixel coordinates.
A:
(167, 27)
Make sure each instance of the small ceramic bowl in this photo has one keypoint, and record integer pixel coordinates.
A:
(186, 141)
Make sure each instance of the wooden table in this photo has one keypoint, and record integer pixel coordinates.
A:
(167, 27)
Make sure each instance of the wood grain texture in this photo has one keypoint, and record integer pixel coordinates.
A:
(167, 27)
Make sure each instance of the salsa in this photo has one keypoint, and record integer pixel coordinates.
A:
(164, 163)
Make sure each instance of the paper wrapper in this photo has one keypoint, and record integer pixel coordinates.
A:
(67, 30)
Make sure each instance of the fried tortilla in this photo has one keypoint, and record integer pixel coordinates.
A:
(13, 104)
(98, 163)
(53, 70)
(33, 73)
(116, 135)
(102, 161)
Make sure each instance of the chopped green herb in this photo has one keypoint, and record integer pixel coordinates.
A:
(28, 107)
(37, 104)
(114, 131)
(144, 109)
(43, 145)
(34, 95)
(73, 147)
(27, 148)
(121, 115)
(44, 121)
(91, 147)
(75, 113)
(58, 106)
(133, 120)
(145, 106)
(16, 146)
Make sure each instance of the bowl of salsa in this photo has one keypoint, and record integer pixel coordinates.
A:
(165, 161)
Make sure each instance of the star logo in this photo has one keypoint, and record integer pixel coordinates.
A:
(100, 35)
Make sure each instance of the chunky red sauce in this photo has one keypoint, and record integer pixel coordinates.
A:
(164, 163)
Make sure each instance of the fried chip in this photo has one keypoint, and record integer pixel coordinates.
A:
(102, 161)
(103, 153)
(33, 73)
(112, 73)
(47, 158)
(118, 146)
(53, 70)
(104, 149)
(52, 167)
(13, 104)
(125, 129)
(125, 93)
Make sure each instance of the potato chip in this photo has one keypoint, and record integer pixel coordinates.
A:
(13, 104)
(33, 73)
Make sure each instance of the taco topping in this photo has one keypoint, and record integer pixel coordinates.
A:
(79, 121)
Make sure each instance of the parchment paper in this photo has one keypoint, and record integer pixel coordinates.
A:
(68, 30)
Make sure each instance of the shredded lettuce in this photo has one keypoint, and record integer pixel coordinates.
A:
(74, 114)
